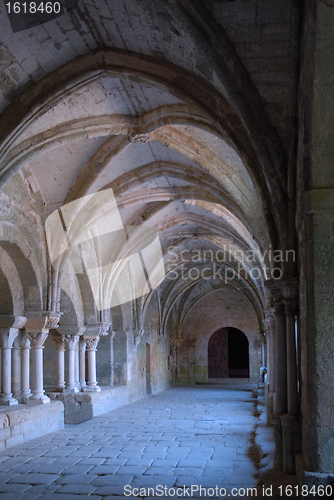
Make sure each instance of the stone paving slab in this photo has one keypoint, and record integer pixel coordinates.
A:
(184, 436)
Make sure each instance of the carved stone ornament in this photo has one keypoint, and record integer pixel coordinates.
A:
(60, 342)
(139, 138)
(37, 339)
(52, 321)
(269, 323)
(92, 342)
(72, 340)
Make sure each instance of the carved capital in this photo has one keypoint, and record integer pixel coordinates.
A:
(37, 339)
(52, 320)
(269, 323)
(59, 341)
(8, 336)
(72, 340)
(275, 289)
(92, 342)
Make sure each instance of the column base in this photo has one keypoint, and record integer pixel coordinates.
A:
(91, 389)
(25, 396)
(278, 454)
(291, 441)
(71, 390)
(33, 400)
(58, 389)
(8, 401)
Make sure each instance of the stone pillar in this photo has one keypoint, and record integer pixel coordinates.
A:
(269, 328)
(16, 367)
(129, 353)
(25, 369)
(37, 329)
(82, 363)
(291, 421)
(59, 340)
(92, 337)
(112, 335)
(280, 396)
(291, 308)
(72, 350)
(9, 329)
(91, 343)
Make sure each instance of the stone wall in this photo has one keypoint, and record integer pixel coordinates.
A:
(223, 308)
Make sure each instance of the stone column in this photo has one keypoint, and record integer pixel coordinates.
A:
(291, 421)
(37, 329)
(59, 340)
(129, 353)
(9, 329)
(280, 396)
(92, 337)
(72, 350)
(16, 367)
(82, 363)
(91, 343)
(25, 369)
(269, 328)
(112, 335)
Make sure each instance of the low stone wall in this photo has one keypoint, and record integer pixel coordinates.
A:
(23, 422)
(82, 406)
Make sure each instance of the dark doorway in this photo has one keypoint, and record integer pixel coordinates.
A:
(218, 354)
(228, 354)
(238, 354)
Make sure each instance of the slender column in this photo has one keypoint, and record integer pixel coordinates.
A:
(9, 329)
(25, 369)
(112, 335)
(82, 363)
(16, 367)
(37, 329)
(291, 307)
(72, 344)
(91, 343)
(280, 396)
(37, 344)
(269, 327)
(60, 347)
(291, 421)
(280, 356)
(76, 366)
(7, 339)
(129, 354)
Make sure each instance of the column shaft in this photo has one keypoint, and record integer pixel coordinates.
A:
(25, 369)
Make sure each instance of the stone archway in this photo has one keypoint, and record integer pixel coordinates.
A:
(228, 354)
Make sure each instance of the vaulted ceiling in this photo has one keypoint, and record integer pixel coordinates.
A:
(188, 127)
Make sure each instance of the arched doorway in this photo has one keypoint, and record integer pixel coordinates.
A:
(228, 354)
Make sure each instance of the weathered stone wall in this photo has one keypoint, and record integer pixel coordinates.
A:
(315, 223)
(223, 308)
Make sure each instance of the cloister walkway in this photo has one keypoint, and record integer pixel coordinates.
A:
(183, 437)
